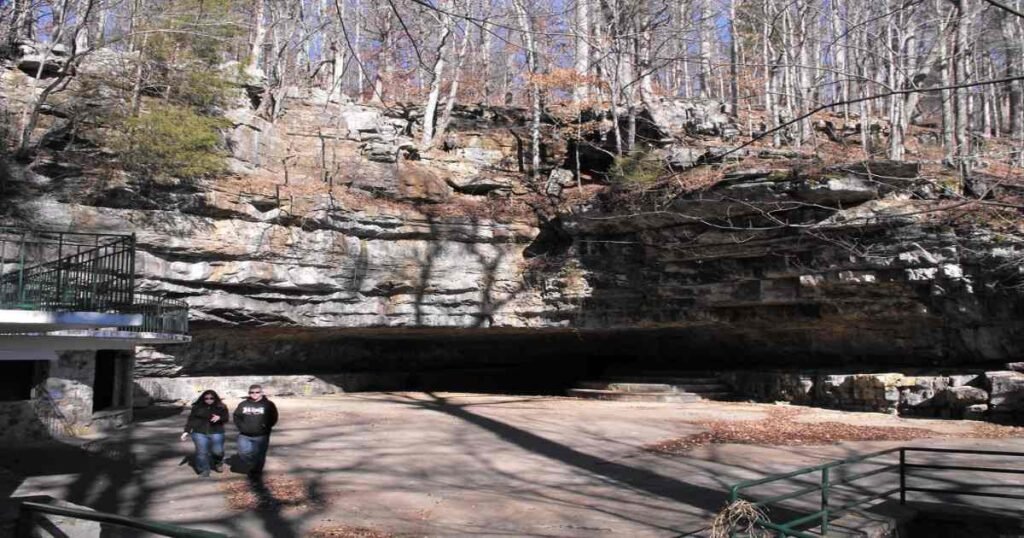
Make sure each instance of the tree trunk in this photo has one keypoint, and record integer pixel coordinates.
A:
(535, 105)
(453, 90)
(704, 40)
(486, 51)
(960, 96)
(734, 85)
(430, 110)
(259, 34)
(581, 43)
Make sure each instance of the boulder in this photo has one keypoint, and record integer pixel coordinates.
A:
(480, 184)
(671, 117)
(1006, 389)
(30, 65)
(976, 412)
(420, 184)
(380, 152)
(559, 179)
(107, 62)
(964, 380)
(361, 120)
(683, 157)
(961, 397)
(33, 54)
(919, 395)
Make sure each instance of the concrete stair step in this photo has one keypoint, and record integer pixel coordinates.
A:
(629, 386)
(625, 387)
(702, 388)
(667, 397)
(716, 395)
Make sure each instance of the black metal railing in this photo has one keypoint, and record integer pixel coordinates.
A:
(159, 314)
(80, 272)
(30, 511)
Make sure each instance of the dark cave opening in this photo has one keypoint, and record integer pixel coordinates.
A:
(523, 361)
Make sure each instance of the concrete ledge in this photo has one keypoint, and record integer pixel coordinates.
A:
(68, 340)
(38, 320)
(187, 389)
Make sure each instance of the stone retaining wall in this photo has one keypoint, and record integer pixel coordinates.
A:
(993, 395)
(187, 389)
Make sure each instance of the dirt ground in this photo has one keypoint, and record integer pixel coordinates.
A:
(442, 464)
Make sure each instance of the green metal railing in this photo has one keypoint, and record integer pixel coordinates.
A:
(29, 511)
(829, 479)
(80, 272)
(65, 271)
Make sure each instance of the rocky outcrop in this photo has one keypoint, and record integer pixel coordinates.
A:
(335, 217)
(837, 267)
(995, 395)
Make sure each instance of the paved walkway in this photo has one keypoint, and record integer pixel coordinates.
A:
(451, 465)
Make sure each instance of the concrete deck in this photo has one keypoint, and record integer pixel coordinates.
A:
(456, 465)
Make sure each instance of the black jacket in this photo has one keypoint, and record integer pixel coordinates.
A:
(199, 419)
(255, 418)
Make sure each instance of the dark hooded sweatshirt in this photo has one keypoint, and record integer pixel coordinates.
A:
(199, 419)
(255, 418)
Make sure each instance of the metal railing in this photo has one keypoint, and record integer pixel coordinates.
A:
(80, 272)
(65, 271)
(29, 510)
(829, 479)
(159, 314)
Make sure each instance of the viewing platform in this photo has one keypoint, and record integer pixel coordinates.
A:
(72, 291)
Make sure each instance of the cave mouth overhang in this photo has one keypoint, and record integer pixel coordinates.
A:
(870, 343)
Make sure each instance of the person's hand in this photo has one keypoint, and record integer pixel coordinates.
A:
(184, 436)
(215, 418)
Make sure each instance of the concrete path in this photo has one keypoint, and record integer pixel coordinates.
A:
(453, 465)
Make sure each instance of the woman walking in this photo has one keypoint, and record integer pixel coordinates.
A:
(206, 426)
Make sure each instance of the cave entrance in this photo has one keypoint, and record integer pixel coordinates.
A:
(492, 360)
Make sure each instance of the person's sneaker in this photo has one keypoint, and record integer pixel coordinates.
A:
(205, 474)
(219, 468)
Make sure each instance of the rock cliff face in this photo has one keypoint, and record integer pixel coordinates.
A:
(839, 267)
(335, 223)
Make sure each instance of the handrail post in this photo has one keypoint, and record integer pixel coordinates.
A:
(21, 271)
(824, 501)
(734, 494)
(131, 269)
(60, 270)
(903, 475)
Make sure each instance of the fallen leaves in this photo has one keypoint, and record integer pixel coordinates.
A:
(345, 531)
(270, 494)
(987, 430)
(780, 429)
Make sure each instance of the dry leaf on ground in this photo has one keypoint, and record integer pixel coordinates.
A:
(345, 531)
(780, 429)
(270, 493)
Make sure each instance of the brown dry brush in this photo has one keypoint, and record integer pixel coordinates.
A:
(741, 517)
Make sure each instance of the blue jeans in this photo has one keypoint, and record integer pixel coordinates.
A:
(207, 445)
(253, 451)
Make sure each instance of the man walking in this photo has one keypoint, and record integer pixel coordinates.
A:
(255, 417)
